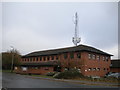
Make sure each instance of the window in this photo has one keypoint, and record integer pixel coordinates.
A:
(89, 56)
(89, 69)
(93, 56)
(104, 69)
(103, 58)
(35, 67)
(98, 69)
(40, 58)
(65, 55)
(94, 69)
(24, 68)
(30, 59)
(71, 55)
(48, 58)
(52, 57)
(56, 57)
(98, 57)
(78, 55)
(44, 58)
(37, 59)
(46, 68)
(33, 59)
(106, 58)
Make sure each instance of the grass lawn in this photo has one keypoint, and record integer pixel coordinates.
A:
(44, 76)
(9, 71)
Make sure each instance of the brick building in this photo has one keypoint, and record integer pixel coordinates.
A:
(88, 60)
(115, 66)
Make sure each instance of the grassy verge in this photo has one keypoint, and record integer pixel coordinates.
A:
(9, 71)
(43, 76)
(109, 80)
(0, 70)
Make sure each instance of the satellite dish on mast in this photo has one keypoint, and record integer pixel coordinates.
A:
(76, 38)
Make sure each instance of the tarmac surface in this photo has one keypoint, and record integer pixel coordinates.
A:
(11, 80)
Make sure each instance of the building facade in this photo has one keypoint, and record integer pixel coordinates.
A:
(88, 60)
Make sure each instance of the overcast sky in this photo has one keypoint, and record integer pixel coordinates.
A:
(39, 26)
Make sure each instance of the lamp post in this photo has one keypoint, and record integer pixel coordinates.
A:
(12, 58)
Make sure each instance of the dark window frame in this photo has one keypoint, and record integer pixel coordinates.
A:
(52, 57)
(48, 58)
(56, 57)
(40, 58)
(78, 54)
(65, 55)
(44, 58)
(71, 55)
(36, 58)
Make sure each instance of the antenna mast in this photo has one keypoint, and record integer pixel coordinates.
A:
(76, 38)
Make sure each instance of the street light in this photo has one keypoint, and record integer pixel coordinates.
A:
(12, 58)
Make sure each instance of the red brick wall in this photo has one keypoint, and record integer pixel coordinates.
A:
(94, 63)
(30, 70)
(84, 63)
(117, 70)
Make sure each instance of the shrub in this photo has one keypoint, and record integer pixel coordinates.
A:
(70, 74)
(50, 74)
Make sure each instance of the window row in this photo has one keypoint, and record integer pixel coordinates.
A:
(97, 69)
(44, 58)
(94, 57)
(72, 55)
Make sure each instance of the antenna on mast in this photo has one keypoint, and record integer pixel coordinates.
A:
(76, 38)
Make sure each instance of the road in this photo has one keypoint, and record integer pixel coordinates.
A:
(10, 80)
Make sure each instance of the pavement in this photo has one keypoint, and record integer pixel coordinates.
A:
(11, 80)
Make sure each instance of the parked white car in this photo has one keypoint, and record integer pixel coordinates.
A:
(116, 75)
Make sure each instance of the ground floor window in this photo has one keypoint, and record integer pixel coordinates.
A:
(24, 68)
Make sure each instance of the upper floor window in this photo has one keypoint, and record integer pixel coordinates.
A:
(106, 58)
(40, 58)
(103, 58)
(48, 58)
(30, 59)
(90, 56)
(36, 58)
(71, 55)
(33, 59)
(23, 59)
(65, 55)
(78, 55)
(93, 56)
(52, 57)
(44, 58)
(56, 57)
(98, 57)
